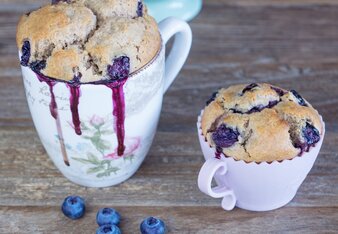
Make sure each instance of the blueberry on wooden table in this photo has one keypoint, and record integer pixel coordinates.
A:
(108, 216)
(108, 229)
(73, 207)
(152, 225)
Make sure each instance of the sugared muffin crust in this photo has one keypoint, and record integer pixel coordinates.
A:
(66, 38)
(260, 122)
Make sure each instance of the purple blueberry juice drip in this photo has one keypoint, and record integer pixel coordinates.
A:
(218, 153)
(119, 113)
(299, 98)
(139, 8)
(26, 53)
(118, 73)
(249, 87)
(224, 137)
(74, 99)
(54, 112)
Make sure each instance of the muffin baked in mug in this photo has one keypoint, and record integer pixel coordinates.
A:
(260, 123)
(80, 38)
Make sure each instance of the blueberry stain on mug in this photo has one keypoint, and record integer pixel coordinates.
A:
(75, 93)
(119, 73)
(26, 53)
(299, 98)
(53, 107)
(224, 136)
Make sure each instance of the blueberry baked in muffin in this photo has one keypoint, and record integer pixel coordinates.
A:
(260, 123)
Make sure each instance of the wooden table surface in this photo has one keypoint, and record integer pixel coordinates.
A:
(291, 43)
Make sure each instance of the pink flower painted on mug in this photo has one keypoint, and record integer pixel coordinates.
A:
(132, 144)
(96, 121)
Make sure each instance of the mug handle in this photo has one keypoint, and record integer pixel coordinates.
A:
(209, 169)
(179, 53)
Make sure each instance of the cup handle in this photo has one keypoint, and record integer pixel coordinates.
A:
(179, 53)
(211, 167)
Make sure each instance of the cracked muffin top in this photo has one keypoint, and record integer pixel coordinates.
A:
(81, 38)
(260, 123)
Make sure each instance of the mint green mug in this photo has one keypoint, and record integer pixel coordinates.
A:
(183, 9)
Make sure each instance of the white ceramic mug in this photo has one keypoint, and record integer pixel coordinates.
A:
(252, 186)
(91, 159)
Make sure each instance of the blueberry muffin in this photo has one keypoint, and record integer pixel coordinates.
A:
(68, 38)
(260, 123)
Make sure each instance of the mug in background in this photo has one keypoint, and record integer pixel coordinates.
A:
(88, 153)
(182, 9)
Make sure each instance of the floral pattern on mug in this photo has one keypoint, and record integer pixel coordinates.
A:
(96, 133)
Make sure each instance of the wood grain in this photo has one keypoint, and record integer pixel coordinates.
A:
(194, 220)
(290, 43)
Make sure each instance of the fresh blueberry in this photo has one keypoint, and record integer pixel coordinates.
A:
(37, 66)
(249, 87)
(300, 99)
(73, 207)
(212, 98)
(139, 8)
(26, 53)
(224, 137)
(108, 216)
(120, 68)
(108, 229)
(279, 91)
(152, 225)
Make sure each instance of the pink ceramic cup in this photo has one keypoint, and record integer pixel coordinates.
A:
(252, 186)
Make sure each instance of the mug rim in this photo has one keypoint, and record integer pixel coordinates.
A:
(297, 157)
(104, 82)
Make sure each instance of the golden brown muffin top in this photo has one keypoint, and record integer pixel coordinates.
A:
(260, 122)
(66, 38)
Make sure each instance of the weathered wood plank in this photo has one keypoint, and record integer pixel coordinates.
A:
(169, 171)
(291, 43)
(178, 219)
